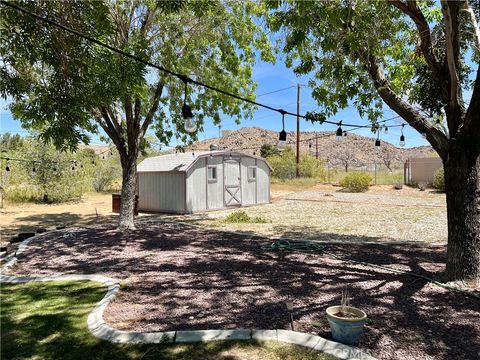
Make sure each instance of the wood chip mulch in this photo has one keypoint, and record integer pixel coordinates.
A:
(176, 277)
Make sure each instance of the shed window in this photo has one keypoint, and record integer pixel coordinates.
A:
(252, 173)
(212, 173)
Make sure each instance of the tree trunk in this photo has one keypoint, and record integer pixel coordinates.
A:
(129, 187)
(462, 185)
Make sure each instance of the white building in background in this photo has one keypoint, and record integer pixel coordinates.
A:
(190, 182)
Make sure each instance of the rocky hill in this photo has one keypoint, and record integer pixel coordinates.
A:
(354, 151)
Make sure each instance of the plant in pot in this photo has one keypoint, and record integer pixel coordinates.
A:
(346, 322)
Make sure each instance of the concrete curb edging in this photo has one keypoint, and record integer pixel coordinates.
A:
(100, 329)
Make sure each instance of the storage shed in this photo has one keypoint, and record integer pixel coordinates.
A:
(190, 182)
(421, 170)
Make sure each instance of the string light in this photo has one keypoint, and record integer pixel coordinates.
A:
(386, 129)
(165, 70)
(7, 168)
(402, 137)
(339, 132)
(377, 142)
(282, 136)
(189, 125)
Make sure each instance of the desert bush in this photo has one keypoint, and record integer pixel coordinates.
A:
(356, 182)
(285, 167)
(241, 216)
(310, 167)
(268, 150)
(439, 180)
(56, 178)
(106, 174)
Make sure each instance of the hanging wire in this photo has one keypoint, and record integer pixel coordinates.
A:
(165, 70)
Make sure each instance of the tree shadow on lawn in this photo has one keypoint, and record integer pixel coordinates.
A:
(48, 320)
(178, 277)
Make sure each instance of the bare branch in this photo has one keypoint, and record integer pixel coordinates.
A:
(153, 109)
(137, 108)
(455, 108)
(108, 126)
(476, 28)
(133, 127)
(411, 9)
(434, 136)
(472, 117)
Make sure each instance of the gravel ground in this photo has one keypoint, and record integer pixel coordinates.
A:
(382, 215)
(180, 277)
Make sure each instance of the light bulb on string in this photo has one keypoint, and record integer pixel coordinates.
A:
(344, 133)
(377, 142)
(282, 136)
(339, 136)
(402, 137)
(190, 125)
(386, 129)
(7, 168)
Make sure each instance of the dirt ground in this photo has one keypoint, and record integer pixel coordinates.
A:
(325, 212)
(93, 208)
(380, 214)
(176, 276)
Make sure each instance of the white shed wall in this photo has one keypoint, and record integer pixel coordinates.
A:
(263, 182)
(215, 188)
(249, 187)
(196, 186)
(161, 191)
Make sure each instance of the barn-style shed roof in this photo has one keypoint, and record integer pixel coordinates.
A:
(181, 162)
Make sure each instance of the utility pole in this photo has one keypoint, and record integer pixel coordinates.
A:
(298, 130)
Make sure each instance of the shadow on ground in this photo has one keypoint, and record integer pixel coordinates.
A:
(176, 277)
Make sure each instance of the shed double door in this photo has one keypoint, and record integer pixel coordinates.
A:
(232, 181)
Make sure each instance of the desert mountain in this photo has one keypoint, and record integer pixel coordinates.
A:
(354, 151)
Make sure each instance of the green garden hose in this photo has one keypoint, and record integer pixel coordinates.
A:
(309, 246)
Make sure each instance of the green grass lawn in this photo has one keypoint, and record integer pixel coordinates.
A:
(49, 321)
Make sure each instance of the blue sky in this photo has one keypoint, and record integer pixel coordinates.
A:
(270, 77)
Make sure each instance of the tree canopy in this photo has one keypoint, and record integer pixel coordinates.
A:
(61, 85)
(368, 53)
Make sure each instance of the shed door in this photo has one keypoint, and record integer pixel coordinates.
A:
(233, 191)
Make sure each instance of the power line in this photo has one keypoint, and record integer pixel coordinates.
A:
(182, 77)
(275, 91)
